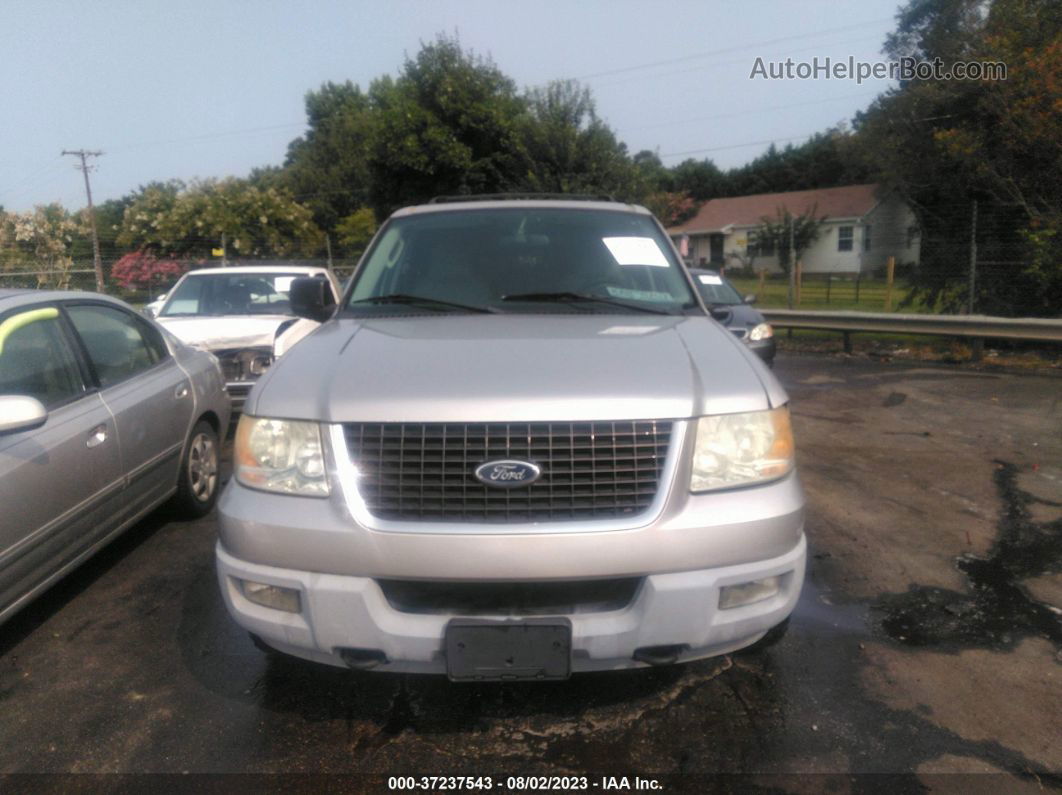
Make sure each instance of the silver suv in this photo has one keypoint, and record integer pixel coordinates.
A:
(518, 447)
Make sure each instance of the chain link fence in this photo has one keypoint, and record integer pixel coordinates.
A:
(970, 256)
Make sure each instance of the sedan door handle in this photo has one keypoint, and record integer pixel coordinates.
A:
(181, 391)
(97, 437)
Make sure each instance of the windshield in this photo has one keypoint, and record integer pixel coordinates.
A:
(715, 289)
(213, 294)
(521, 260)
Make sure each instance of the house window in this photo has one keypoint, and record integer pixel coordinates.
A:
(760, 247)
(866, 237)
(844, 238)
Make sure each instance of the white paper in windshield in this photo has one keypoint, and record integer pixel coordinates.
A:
(640, 295)
(282, 284)
(636, 251)
(709, 278)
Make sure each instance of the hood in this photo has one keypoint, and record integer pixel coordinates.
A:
(512, 368)
(225, 331)
(742, 316)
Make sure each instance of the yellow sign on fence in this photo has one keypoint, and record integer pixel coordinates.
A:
(218, 252)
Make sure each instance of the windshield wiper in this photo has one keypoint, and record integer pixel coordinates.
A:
(573, 298)
(404, 298)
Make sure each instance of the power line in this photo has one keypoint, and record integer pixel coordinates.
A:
(726, 50)
(749, 112)
(51, 165)
(208, 136)
(739, 146)
(728, 62)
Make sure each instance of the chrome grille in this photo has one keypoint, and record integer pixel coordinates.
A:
(590, 470)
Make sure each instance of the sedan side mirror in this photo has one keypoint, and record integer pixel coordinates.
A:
(21, 413)
(312, 298)
(750, 298)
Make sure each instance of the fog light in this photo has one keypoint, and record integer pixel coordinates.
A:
(274, 596)
(745, 593)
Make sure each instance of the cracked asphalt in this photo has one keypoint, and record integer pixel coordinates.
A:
(926, 651)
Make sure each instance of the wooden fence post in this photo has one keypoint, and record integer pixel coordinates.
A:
(890, 271)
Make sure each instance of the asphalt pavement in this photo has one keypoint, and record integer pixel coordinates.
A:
(926, 651)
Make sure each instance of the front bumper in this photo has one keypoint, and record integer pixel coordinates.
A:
(765, 349)
(678, 609)
(681, 551)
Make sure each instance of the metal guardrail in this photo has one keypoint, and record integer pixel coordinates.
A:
(973, 326)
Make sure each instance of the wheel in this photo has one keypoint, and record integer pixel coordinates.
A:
(198, 481)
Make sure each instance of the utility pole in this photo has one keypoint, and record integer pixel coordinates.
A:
(973, 260)
(328, 246)
(791, 256)
(84, 167)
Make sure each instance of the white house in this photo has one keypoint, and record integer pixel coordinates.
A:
(864, 225)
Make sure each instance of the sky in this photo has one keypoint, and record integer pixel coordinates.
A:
(214, 88)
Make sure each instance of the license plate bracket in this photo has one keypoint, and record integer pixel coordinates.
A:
(484, 650)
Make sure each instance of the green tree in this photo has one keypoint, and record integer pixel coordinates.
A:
(566, 148)
(187, 222)
(701, 179)
(947, 144)
(447, 125)
(789, 235)
(327, 168)
(356, 230)
(40, 241)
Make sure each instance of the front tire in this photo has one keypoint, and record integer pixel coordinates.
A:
(199, 480)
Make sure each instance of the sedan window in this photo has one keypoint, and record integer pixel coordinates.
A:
(114, 342)
(35, 358)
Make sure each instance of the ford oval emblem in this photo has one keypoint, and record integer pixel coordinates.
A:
(508, 474)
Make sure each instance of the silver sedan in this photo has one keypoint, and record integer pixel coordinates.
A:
(104, 416)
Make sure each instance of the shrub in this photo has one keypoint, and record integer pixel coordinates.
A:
(140, 269)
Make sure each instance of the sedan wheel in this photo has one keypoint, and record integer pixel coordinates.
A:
(203, 467)
(197, 486)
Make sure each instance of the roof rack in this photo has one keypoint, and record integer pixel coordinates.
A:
(484, 197)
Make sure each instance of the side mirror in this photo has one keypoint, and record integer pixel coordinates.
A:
(750, 298)
(312, 298)
(21, 413)
(720, 312)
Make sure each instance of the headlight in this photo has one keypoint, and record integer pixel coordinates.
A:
(740, 449)
(761, 332)
(280, 455)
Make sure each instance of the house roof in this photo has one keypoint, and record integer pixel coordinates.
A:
(849, 201)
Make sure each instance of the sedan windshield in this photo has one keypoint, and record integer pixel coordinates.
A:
(214, 294)
(528, 259)
(715, 289)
